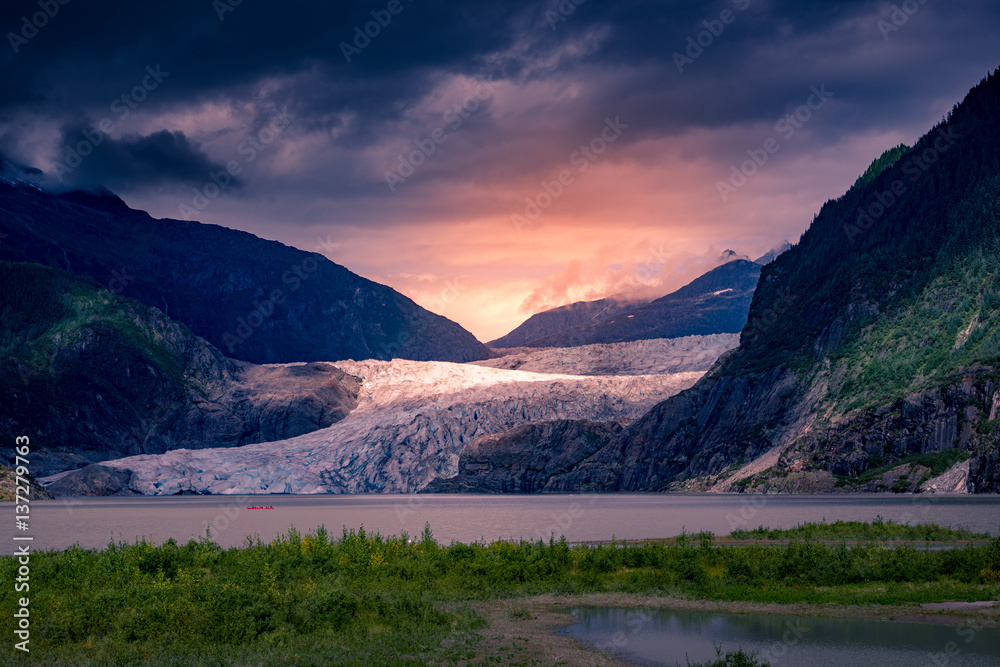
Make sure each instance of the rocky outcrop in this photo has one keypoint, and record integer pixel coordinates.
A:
(527, 459)
(256, 300)
(9, 484)
(91, 480)
(93, 376)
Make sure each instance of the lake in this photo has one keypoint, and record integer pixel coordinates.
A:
(93, 522)
(671, 637)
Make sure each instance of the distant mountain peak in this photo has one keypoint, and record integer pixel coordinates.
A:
(730, 256)
(15, 173)
(773, 253)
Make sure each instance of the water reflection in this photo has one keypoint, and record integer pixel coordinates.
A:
(672, 637)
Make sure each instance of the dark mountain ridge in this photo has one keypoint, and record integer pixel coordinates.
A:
(256, 300)
(716, 302)
(559, 319)
(587, 322)
(93, 376)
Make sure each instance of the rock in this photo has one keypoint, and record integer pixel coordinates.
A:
(92, 480)
(525, 459)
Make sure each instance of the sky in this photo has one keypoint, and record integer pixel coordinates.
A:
(488, 160)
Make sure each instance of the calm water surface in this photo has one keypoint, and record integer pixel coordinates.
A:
(669, 637)
(94, 522)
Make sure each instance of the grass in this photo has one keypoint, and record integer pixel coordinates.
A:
(879, 530)
(950, 327)
(738, 658)
(362, 598)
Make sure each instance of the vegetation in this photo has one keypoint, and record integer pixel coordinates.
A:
(937, 463)
(43, 309)
(878, 255)
(366, 599)
(952, 325)
(8, 486)
(878, 531)
(881, 163)
(738, 658)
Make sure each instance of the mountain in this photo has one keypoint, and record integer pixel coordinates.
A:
(773, 253)
(556, 320)
(255, 300)
(729, 256)
(716, 302)
(580, 323)
(871, 355)
(93, 376)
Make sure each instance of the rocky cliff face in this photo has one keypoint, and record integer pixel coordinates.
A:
(255, 300)
(530, 458)
(93, 376)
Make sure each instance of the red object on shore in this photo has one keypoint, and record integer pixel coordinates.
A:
(255, 507)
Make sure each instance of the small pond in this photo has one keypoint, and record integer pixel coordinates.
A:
(673, 637)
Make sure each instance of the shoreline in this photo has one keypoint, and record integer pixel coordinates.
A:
(530, 627)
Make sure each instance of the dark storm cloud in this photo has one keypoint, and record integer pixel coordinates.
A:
(90, 158)
(757, 68)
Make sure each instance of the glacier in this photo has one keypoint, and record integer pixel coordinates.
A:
(414, 418)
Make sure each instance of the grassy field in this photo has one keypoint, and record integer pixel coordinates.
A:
(879, 530)
(360, 598)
